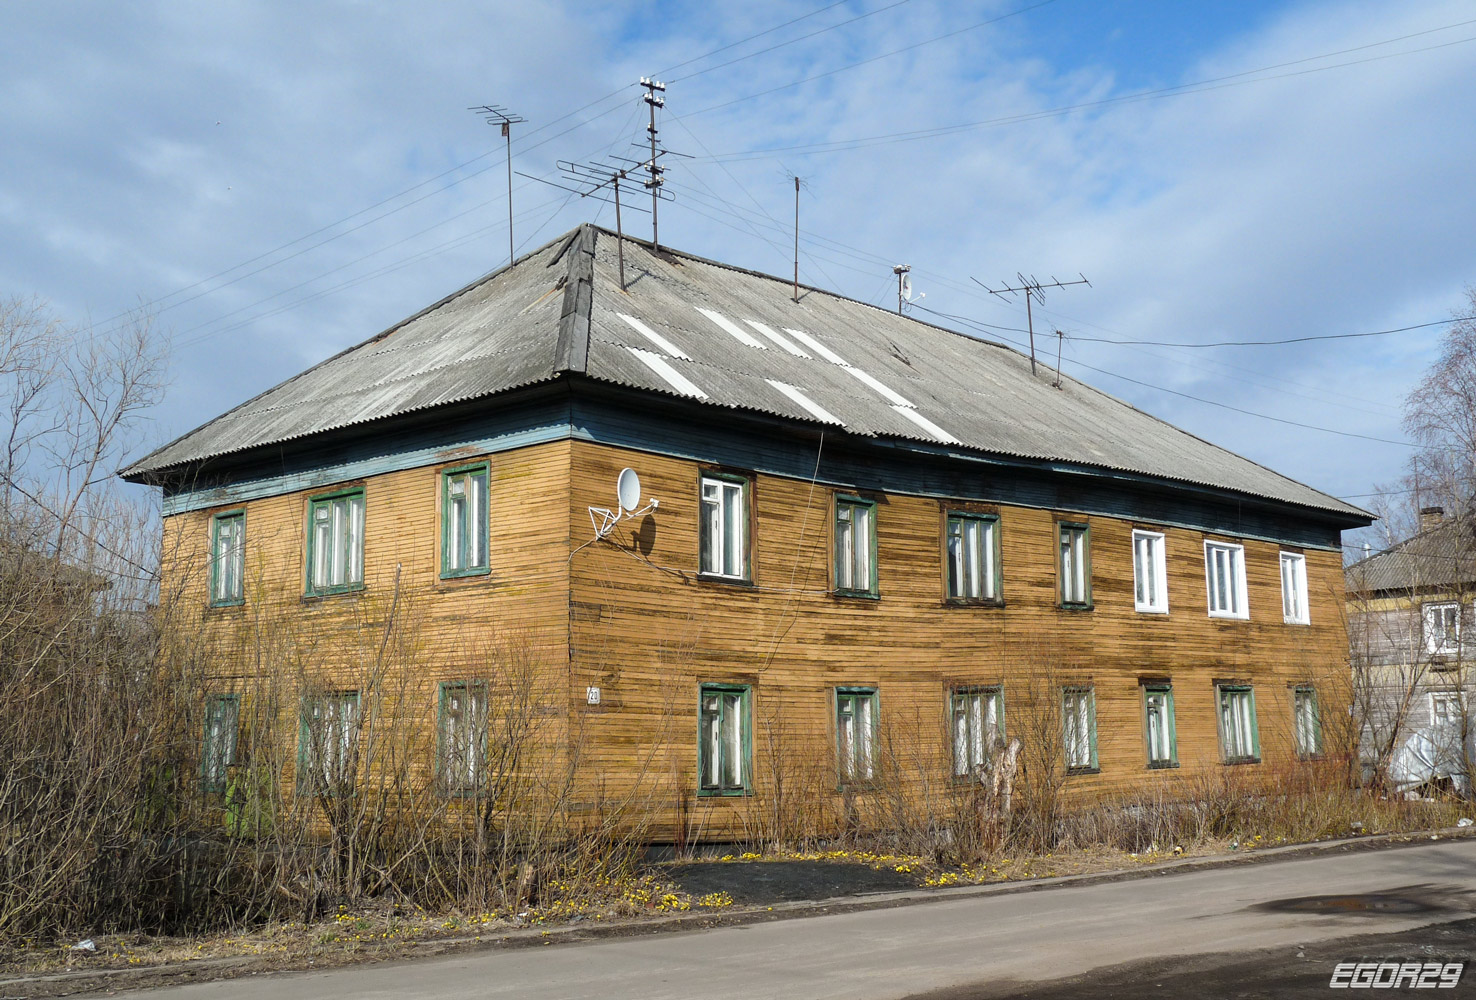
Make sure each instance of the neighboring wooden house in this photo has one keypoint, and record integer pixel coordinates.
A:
(876, 541)
(1412, 649)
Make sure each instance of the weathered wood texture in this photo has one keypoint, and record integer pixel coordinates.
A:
(406, 631)
(648, 631)
(631, 617)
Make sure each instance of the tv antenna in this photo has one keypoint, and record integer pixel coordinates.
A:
(654, 90)
(627, 504)
(496, 115)
(1033, 288)
(590, 179)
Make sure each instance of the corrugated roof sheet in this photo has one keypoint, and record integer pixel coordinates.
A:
(880, 374)
(1441, 557)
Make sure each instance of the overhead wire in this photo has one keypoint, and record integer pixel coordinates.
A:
(1158, 93)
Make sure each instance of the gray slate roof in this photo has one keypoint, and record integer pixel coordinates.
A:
(728, 338)
(1441, 557)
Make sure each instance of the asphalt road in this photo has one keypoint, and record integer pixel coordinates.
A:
(1218, 932)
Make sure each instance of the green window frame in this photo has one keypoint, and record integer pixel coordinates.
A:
(461, 737)
(977, 721)
(724, 739)
(228, 559)
(466, 524)
(1079, 728)
(1074, 564)
(335, 542)
(1159, 732)
(971, 550)
(1240, 738)
(724, 543)
(1306, 721)
(856, 727)
(218, 745)
(854, 528)
(327, 747)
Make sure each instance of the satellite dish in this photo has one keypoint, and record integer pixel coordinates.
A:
(907, 287)
(628, 489)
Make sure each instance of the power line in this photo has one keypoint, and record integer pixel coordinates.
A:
(1286, 340)
(864, 62)
(1209, 402)
(795, 41)
(1198, 86)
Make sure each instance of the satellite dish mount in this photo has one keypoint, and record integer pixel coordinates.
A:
(627, 504)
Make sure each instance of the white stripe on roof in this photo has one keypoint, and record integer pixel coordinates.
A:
(816, 346)
(776, 337)
(895, 398)
(729, 326)
(653, 336)
(926, 424)
(673, 378)
(815, 409)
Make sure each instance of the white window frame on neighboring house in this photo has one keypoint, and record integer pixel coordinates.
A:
(1150, 572)
(1294, 589)
(1445, 710)
(1224, 579)
(1441, 625)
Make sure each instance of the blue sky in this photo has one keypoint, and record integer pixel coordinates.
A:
(178, 155)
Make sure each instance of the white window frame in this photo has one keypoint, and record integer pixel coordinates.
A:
(977, 717)
(1150, 572)
(1294, 610)
(1452, 701)
(724, 544)
(1438, 638)
(855, 546)
(1228, 601)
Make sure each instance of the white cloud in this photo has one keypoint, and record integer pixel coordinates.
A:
(1327, 202)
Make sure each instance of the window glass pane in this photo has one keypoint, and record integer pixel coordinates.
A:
(733, 529)
(732, 740)
(955, 557)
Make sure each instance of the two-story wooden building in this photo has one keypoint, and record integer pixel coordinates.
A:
(873, 536)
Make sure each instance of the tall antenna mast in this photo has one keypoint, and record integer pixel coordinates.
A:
(796, 236)
(1033, 288)
(502, 116)
(654, 89)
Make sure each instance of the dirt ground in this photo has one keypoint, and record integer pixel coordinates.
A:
(685, 894)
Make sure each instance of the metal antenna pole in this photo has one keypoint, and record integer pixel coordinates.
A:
(496, 115)
(655, 101)
(899, 271)
(1060, 338)
(619, 232)
(1033, 288)
(796, 237)
(1030, 325)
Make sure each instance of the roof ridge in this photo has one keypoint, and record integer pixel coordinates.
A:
(571, 350)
